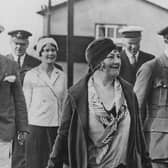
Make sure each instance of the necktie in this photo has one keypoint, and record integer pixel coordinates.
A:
(19, 63)
(133, 60)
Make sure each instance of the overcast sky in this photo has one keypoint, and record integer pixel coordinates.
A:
(20, 14)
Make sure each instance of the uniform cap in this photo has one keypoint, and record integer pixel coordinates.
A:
(131, 31)
(20, 34)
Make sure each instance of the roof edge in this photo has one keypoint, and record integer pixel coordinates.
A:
(157, 4)
(44, 10)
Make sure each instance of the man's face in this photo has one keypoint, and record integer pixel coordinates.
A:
(132, 45)
(19, 47)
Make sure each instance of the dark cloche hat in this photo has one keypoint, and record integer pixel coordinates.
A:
(164, 31)
(20, 34)
(97, 51)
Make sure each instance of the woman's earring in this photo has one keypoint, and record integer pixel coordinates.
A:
(102, 65)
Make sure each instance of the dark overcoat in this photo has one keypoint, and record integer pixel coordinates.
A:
(13, 114)
(29, 62)
(128, 72)
(74, 130)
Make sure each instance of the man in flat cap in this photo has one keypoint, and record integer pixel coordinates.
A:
(19, 43)
(132, 57)
(13, 114)
(151, 88)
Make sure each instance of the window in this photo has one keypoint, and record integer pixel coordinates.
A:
(109, 30)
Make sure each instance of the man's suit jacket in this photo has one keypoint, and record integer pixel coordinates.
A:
(28, 63)
(128, 72)
(13, 114)
(151, 88)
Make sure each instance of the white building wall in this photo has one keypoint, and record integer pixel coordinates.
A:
(130, 12)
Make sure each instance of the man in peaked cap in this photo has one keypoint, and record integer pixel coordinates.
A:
(13, 114)
(19, 43)
(132, 57)
(151, 88)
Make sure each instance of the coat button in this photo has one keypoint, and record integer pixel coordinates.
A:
(164, 86)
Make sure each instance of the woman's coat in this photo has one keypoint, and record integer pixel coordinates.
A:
(72, 138)
(44, 96)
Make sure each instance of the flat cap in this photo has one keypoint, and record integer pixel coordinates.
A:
(20, 34)
(164, 31)
(131, 31)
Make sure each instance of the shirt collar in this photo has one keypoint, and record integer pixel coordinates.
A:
(166, 52)
(130, 55)
(21, 58)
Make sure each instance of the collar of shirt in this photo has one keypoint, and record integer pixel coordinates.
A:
(166, 52)
(130, 55)
(21, 58)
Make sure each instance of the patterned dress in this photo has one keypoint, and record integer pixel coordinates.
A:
(108, 129)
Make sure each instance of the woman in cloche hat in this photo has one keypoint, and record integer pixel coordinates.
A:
(44, 88)
(100, 126)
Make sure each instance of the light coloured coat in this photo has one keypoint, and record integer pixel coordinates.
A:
(44, 96)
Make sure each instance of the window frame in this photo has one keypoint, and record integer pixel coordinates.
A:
(107, 26)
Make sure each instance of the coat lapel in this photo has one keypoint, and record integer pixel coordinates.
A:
(25, 66)
(80, 95)
(3, 68)
(131, 103)
(127, 96)
(45, 79)
(140, 59)
(55, 75)
(125, 60)
(25, 62)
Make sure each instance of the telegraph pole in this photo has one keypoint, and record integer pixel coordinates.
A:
(49, 17)
(70, 34)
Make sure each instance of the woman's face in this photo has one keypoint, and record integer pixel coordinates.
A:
(112, 63)
(48, 54)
